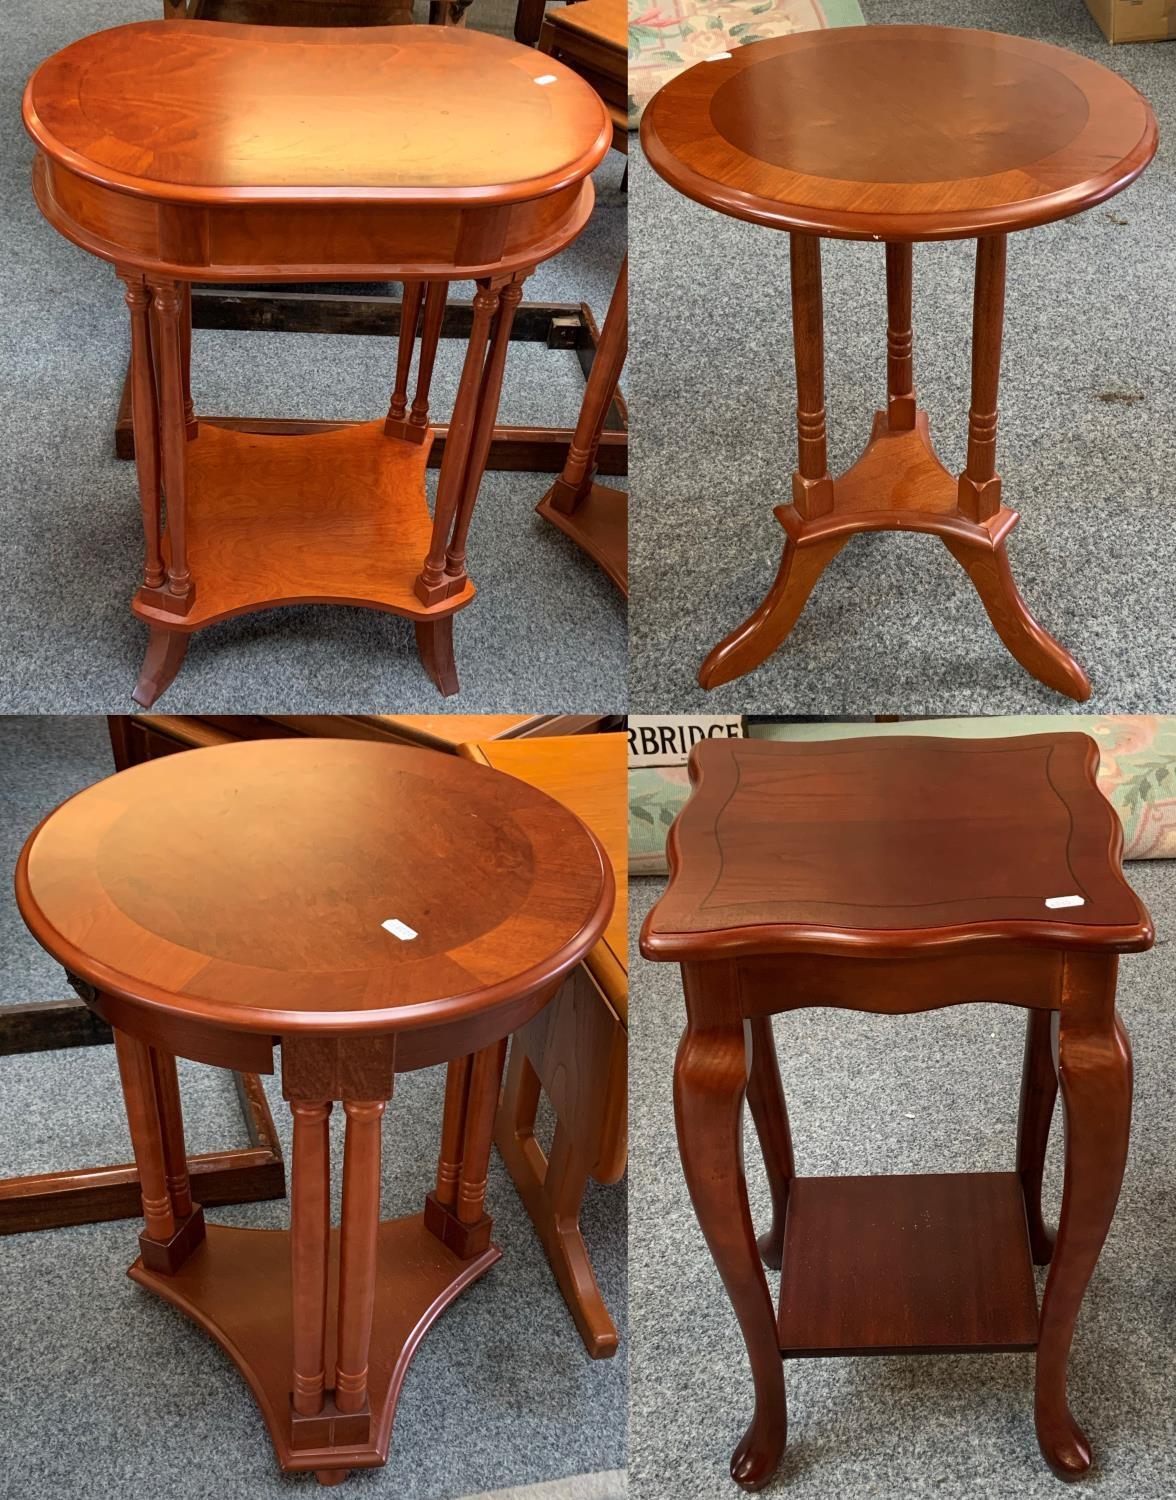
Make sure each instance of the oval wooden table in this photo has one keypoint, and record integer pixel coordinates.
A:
(202, 151)
(369, 910)
(898, 134)
(894, 876)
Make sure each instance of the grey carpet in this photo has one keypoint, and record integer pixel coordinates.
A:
(547, 630)
(1087, 441)
(866, 1094)
(110, 1393)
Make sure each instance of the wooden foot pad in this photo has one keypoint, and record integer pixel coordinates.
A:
(920, 1264)
(463, 1239)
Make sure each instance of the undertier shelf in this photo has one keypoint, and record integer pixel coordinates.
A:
(906, 1264)
(336, 517)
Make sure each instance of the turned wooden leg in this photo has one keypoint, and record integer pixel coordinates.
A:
(165, 654)
(191, 426)
(765, 1095)
(979, 485)
(900, 380)
(481, 1106)
(410, 307)
(357, 1251)
(812, 488)
(764, 630)
(168, 304)
(455, 1210)
(173, 1225)
(434, 640)
(987, 565)
(1094, 1073)
(138, 1086)
(310, 1240)
(488, 399)
(435, 299)
(575, 480)
(171, 1122)
(145, 421)
(710, 1081)
(1039, 1088)
(431, 586)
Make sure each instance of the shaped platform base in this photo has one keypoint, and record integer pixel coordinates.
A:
(599, 526)
(236, 1286)
(898, 484)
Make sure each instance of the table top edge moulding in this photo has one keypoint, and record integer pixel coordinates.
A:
(1104, 134)
(55, 88)
(89, 828)
(1109, 918)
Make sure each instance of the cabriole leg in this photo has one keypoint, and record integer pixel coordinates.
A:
(765, 1095)
(1094, 1074)
(710, 1081)
(1039, 1089)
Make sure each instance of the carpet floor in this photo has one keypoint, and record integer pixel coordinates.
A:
(548, 629)
(1086, 446)
(866, 1094)
(109, 1393)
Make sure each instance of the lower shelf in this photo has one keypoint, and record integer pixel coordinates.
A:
(335, 517)
(918, 1264)
(599, 526)
(236, 1286)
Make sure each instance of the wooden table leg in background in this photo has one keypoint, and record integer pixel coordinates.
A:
(593, 515)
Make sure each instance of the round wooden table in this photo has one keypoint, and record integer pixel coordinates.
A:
(202, 151)
(894, 876)
(368, 910)
(898, 134)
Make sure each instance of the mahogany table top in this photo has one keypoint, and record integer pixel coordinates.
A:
(899, 132)
(207, 111)
(882, 846)
(296, 885)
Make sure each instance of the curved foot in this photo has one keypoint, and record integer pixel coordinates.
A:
(435, 643)
(764, 630)
(757, 1455)
(1065, 1448)
(1037, 651)
(166, 650)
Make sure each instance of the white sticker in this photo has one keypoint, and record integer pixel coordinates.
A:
(546, 78)
(398, 929)
(1055, 901)
(716, 57)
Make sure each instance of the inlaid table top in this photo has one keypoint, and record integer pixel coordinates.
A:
(208, 111)
(288, 885)
(882, 845)
(899, 132)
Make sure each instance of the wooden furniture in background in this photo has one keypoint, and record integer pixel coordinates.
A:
(595, 516)
(576, 1050)
(559, 326)
(898, 134)
(369, 910)
(895, 876)
(490, 176)
(592, 38)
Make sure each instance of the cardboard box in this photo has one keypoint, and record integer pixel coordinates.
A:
(1135, 20)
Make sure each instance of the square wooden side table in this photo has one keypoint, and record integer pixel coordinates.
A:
(895, 876)
(576, 1051)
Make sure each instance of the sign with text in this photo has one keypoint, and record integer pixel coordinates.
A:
(667, 739)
